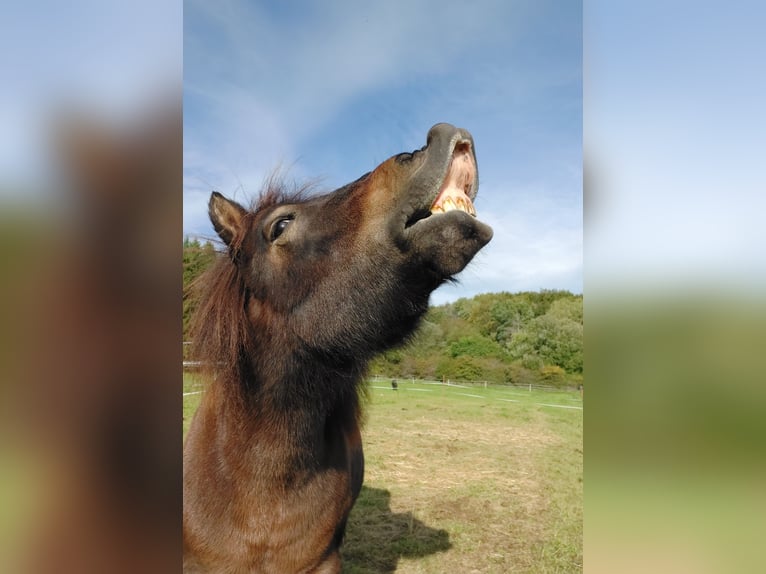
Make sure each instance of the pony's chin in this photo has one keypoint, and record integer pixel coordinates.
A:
(445, 243)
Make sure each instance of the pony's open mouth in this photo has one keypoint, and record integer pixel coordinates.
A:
(458, 186)
(458, 190)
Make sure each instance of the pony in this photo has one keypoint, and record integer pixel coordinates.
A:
(308, 291)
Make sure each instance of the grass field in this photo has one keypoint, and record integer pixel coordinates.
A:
(464, 480)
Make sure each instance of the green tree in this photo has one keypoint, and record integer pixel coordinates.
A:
(197, 257)
(550, 340)
(508, 317)
(474, 346)
(567, 308)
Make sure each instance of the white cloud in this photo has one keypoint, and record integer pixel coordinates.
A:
(260, 85)
(308, 66)
(537, 241)
(266, 84)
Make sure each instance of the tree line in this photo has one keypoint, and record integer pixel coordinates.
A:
(519, 338)
(198, 256)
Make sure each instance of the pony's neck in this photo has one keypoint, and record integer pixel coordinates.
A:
(288, 427)
(293, 398)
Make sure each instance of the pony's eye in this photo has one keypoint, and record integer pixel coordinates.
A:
(279, 226)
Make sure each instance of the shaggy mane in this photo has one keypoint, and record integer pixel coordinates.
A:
(220, 330)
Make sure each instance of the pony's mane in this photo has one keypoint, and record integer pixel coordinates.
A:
(220, 329)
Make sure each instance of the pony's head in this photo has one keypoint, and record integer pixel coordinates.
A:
(349, 273)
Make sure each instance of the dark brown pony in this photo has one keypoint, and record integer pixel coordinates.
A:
(309, 291)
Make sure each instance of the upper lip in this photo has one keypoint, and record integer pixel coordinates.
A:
(465, 179)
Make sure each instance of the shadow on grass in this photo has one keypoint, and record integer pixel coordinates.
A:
(376, 537)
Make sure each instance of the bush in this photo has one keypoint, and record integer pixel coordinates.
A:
(552, 374)
(517, 374)
(459, 369)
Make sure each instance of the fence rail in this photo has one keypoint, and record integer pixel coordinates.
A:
(469, 384)
(189, 364)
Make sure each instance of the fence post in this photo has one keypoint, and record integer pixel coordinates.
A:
(530, 387)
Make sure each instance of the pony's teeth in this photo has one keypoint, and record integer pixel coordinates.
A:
(454, 203)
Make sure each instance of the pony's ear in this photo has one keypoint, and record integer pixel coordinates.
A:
(226, 216)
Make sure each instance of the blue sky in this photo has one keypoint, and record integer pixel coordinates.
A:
(675, 125)
(334, 88)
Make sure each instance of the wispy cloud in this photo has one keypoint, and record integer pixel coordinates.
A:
(335, 88)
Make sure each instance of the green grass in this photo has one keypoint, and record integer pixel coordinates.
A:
(193, 387)
(457, 483)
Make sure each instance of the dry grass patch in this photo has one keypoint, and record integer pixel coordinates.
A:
(502, 482)
(463, 484)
